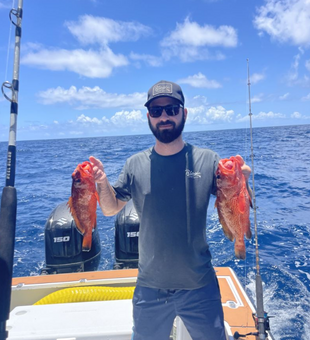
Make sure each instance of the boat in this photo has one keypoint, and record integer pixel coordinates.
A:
(91, 304)
(110, 319)
(72, 300)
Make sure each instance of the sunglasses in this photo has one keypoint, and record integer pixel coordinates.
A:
(171, 110)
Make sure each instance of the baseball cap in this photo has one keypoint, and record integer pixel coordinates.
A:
(165, 89)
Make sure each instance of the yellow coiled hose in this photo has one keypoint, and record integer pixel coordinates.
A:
(85, 294)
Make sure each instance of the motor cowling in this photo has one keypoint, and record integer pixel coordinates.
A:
(127, 226)
(63, 245)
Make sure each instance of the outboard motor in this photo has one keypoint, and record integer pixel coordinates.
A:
(63, 245)
(126, 237)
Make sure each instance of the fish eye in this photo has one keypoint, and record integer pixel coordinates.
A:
(218, 176)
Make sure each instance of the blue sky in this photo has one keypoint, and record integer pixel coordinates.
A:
(87, 65)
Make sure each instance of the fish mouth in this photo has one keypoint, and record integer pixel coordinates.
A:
(82, 171)
(229, 165)
(226, 170)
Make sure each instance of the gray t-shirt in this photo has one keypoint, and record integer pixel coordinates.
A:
(171, 196)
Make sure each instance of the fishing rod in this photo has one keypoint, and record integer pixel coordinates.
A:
(9, 197)
(261, 318)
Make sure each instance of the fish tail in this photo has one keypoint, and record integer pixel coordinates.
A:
(87, 240)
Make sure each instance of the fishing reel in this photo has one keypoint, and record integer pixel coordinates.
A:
(237, 335)
(266, 321)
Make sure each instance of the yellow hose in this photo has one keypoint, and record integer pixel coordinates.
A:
(84, 294)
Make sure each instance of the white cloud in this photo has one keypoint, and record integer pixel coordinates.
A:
(86, 98)
(85, 120)
(89, 63)
(261, 116)
(306, 98)
(132, 121)
(203, 115)
(128, 118)
(191, 33)
(121, 123)
(5, 4)
(196, 101)
(297, 115)
(257, 77)
(293, 77)
(148, 59)
(92, 63)
(257, 98)
(189, 41)
(293, 74)
(200, 81)
(99, 30)
(285, 96)
(285, 21)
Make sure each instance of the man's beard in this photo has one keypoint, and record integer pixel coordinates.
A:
(167, 135)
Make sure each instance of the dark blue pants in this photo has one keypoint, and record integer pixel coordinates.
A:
(200, 310)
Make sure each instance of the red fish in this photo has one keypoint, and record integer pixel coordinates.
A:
(233, 202)
(83, 202)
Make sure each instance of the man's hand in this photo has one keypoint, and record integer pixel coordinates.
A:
(99, 174)
(246, 170)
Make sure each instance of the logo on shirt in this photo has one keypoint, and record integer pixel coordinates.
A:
(192, 174)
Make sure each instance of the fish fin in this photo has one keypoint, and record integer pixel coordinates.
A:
(94, 222)
(79, 225)
(240, 250)
(97, 196)
(74, 215)
(69, 203)
(248, 233)
(87, 241)
(227, 232)
(250, 193)
(225, 228)
(94, 205)
(241, 202)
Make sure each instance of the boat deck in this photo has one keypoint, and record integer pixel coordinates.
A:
(26, 291)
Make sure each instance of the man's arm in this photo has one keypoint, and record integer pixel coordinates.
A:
(108, 202)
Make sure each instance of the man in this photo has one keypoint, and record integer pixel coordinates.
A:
(170, 185)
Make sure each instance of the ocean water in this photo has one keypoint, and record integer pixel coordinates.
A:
(282, 186)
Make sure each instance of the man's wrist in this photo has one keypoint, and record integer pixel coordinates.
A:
(102, 180)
